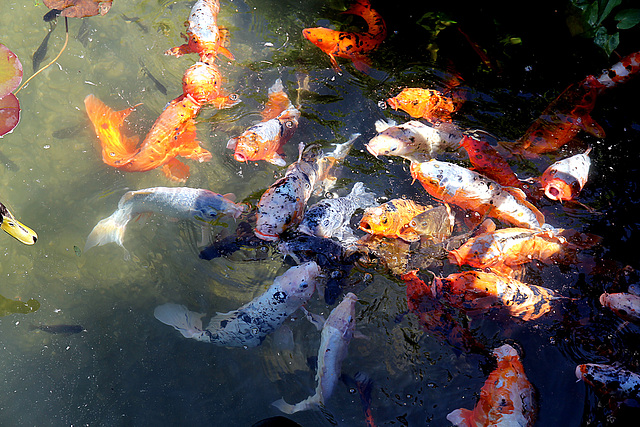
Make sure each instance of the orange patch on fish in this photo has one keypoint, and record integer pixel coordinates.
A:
(428, 104)
(391, 219)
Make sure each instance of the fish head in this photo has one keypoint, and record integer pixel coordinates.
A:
(248, 147)
(431, 175)
(410, 100)
(299, 282)
(325, 38)
(203, 82)
(343, 316)
(378, 220)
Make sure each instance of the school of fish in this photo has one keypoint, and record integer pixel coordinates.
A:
(464, 249)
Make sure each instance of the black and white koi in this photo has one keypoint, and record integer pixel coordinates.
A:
(610, 380)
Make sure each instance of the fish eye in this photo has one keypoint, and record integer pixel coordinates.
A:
(394, 148)
(233, 97)
(325, 222)
(112, 154)
(289, 124)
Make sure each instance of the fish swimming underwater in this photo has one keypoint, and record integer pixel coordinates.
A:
(178, 202)
(264, 140)
(625, 305)
(481, 290)
(391, 219)
(204, 37)
(58, 329)
(14, 228)
(435, 224)
(41, 52)
(354, 46)
(459, 186)
(330, 217)
(336, 336)
(414, 140)
(428, 104)
(564, 179)
(608, 380)
(507, 398)
(249, 325)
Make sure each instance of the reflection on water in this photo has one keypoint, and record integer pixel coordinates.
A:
(129, 369)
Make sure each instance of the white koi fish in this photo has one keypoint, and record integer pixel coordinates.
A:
(336, 335)
(625, 305)
(414, 140)
(249, 325)
(330, 217)
(610, 380)
(564, 179)
(175, 202)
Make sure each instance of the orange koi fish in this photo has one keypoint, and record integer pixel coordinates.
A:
(204, 37)
(459, 186)
(507, 398)
(564, 179)
(480, 290)
(391, 219)
(435, 317)
(352, 46)
(428, 104)
(264, 140)
(487, 161)
(508, 248)
(624, 305)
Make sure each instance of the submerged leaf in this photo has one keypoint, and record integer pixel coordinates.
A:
(79, 8)
(10, 71)
(9, 114)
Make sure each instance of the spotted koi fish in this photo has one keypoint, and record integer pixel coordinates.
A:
(625, 305)
(459, 186)
(391, 219)
(608, 380)
(352, 46)
(480, 291)
(428, 104)
(564, 179)
(507, 398)
(204, 37)
(264, 140)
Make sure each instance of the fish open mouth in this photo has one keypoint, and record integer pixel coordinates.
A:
(264, 236)
(240, 157)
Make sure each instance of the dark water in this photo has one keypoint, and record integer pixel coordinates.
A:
(129, 369)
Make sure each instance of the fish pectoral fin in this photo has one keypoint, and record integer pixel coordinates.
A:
(175, 170)
(232, 143)
(276, 159)
(362, 65)
(334, 63)
(178, 51)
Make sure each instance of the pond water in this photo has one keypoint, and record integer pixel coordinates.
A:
(127, 368)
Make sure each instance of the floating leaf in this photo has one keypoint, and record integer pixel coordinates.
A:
(10, 71)
(9, 114)
(79, 8)
(628, 18)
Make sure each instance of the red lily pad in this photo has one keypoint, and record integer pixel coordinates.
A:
(10, 71)
(9, 114)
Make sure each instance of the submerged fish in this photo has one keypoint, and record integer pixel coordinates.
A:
(161, 88)
(177, 202)
(625, 305)
(249, 325)
(428, 104)
(41, 52)
(507, 398)
(609, 380)
(434, 224)
(564, 179)
(391, 219)
(470, 190)
(414, 140)
(336, 336)
(330, 217)
(58, 329)
(264, 140)
(353, 46)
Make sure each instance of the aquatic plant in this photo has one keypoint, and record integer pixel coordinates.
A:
(10, 78)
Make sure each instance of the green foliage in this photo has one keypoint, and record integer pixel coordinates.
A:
(596, 25)
(434, 23)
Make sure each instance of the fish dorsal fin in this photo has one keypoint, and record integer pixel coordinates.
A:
(230, 196)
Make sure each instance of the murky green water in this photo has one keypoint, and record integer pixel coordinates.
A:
(128, 368)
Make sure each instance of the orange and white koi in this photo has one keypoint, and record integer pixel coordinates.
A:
(204, 37)
(414, 140)
(621, 71)
(608, 380)
(428, 104)
(264, 140)
(459, 186)
(564, 179)
(282, 204)
(625, 305)
(391, 219)
(352, 46)
(507, 398)
(481, 290)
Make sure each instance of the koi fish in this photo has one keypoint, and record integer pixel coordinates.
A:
(178, 202)
(428, 104)
(282, 204)
(249, 325)
(434, 224)
(41, 52)
(335, 338)
(204, 37)
(487, 161)
(352, 46)
(391, 219)
(58, 329)
(480, 290)
(330, 217)
(564, 179)
(508, 248)
(459, 186)
(15, 228)
(414, 140)
(610, 380)
(625, 305)
(328, 165)
(621, 71)
(507, 398)
(264, 140)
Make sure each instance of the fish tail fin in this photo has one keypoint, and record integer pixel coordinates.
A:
(361, 196)
(109, 230)
(461, 418)
(309, 403)
(189, 323)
